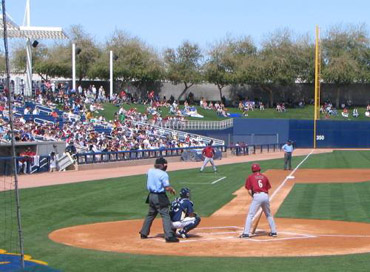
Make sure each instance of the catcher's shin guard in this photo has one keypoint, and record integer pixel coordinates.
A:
(193, 225)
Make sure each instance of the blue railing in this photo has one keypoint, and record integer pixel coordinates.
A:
(99, 157)
(102, 157)
(253, 149)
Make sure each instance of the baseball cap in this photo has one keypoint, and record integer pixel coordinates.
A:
(161, 160)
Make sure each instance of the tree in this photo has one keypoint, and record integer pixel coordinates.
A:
(89, 50)
(224, 59)
(345, 53)
(40, 55)
(305, 60)
(2, 63)
(135, 62)
(56, 60)
(55, 63)
(183, 65)
(278, 62)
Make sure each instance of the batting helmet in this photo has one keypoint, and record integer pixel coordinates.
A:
(185, 192)
(256, 167)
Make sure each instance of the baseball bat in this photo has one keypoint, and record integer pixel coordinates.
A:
(257, 221)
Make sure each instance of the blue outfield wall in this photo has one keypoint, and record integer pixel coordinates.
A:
(261, 131)
(330, 134)
(346, 134)
(301, 132)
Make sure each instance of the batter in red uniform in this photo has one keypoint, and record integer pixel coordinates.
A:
(208, 153)
(258, 185)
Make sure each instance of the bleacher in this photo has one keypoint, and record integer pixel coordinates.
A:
(182, 135)
(63, 118)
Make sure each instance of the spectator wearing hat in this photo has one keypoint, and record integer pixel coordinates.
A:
(288, 150)
(157, 185)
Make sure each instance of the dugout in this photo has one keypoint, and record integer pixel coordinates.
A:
(42, 149)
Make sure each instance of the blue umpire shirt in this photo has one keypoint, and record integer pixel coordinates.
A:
(288, 148)
(157, 181)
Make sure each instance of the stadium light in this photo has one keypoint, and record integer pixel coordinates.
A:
(35, 43)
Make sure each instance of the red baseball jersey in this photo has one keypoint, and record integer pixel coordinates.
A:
(257, 182)
(208, 152)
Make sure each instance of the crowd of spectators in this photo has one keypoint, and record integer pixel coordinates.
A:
(328, 110)
(80, 122)
(76, 118)
(219, 107)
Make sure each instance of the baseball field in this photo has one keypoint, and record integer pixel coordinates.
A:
(322, 216)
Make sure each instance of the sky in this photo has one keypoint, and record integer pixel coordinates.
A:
(168, 23)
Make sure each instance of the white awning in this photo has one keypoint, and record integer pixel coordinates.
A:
(32, 32)
(9, 23)
(53, 33)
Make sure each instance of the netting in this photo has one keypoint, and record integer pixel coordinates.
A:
(8, 217)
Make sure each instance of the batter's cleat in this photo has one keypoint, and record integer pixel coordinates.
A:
(172, 239)
(143, 236)
(273, 234)
(244, 235)
(183, 234)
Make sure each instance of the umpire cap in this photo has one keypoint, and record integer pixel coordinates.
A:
(161, 160)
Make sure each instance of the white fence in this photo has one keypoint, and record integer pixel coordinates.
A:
(197, 125)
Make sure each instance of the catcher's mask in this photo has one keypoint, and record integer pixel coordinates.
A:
(256, 167)
(185, 192)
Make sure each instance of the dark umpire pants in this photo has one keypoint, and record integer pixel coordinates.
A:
(288, 160)
(158, 203)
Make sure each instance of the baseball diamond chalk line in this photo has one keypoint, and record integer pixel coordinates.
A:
(294, 235)
(218, 234)
(203, 183)
(283, 183)
(214, 182)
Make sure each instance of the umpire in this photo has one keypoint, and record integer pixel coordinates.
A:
(157, 185)
(288, 150)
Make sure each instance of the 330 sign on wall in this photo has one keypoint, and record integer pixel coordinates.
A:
(320, 137)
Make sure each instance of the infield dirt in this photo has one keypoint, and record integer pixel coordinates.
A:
(217, 235)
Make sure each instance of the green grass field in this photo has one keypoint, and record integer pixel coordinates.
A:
(343, 201)
(54, 207)
(305, 113)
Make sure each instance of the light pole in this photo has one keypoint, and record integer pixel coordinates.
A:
(74, 66)
(110, 74)
(112, 58)
(75, 51)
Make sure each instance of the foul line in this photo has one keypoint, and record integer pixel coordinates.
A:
(214, 182)
(221, 227)
(283, 183)
(203, 183)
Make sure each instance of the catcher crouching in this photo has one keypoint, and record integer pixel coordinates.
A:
(182, 214)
